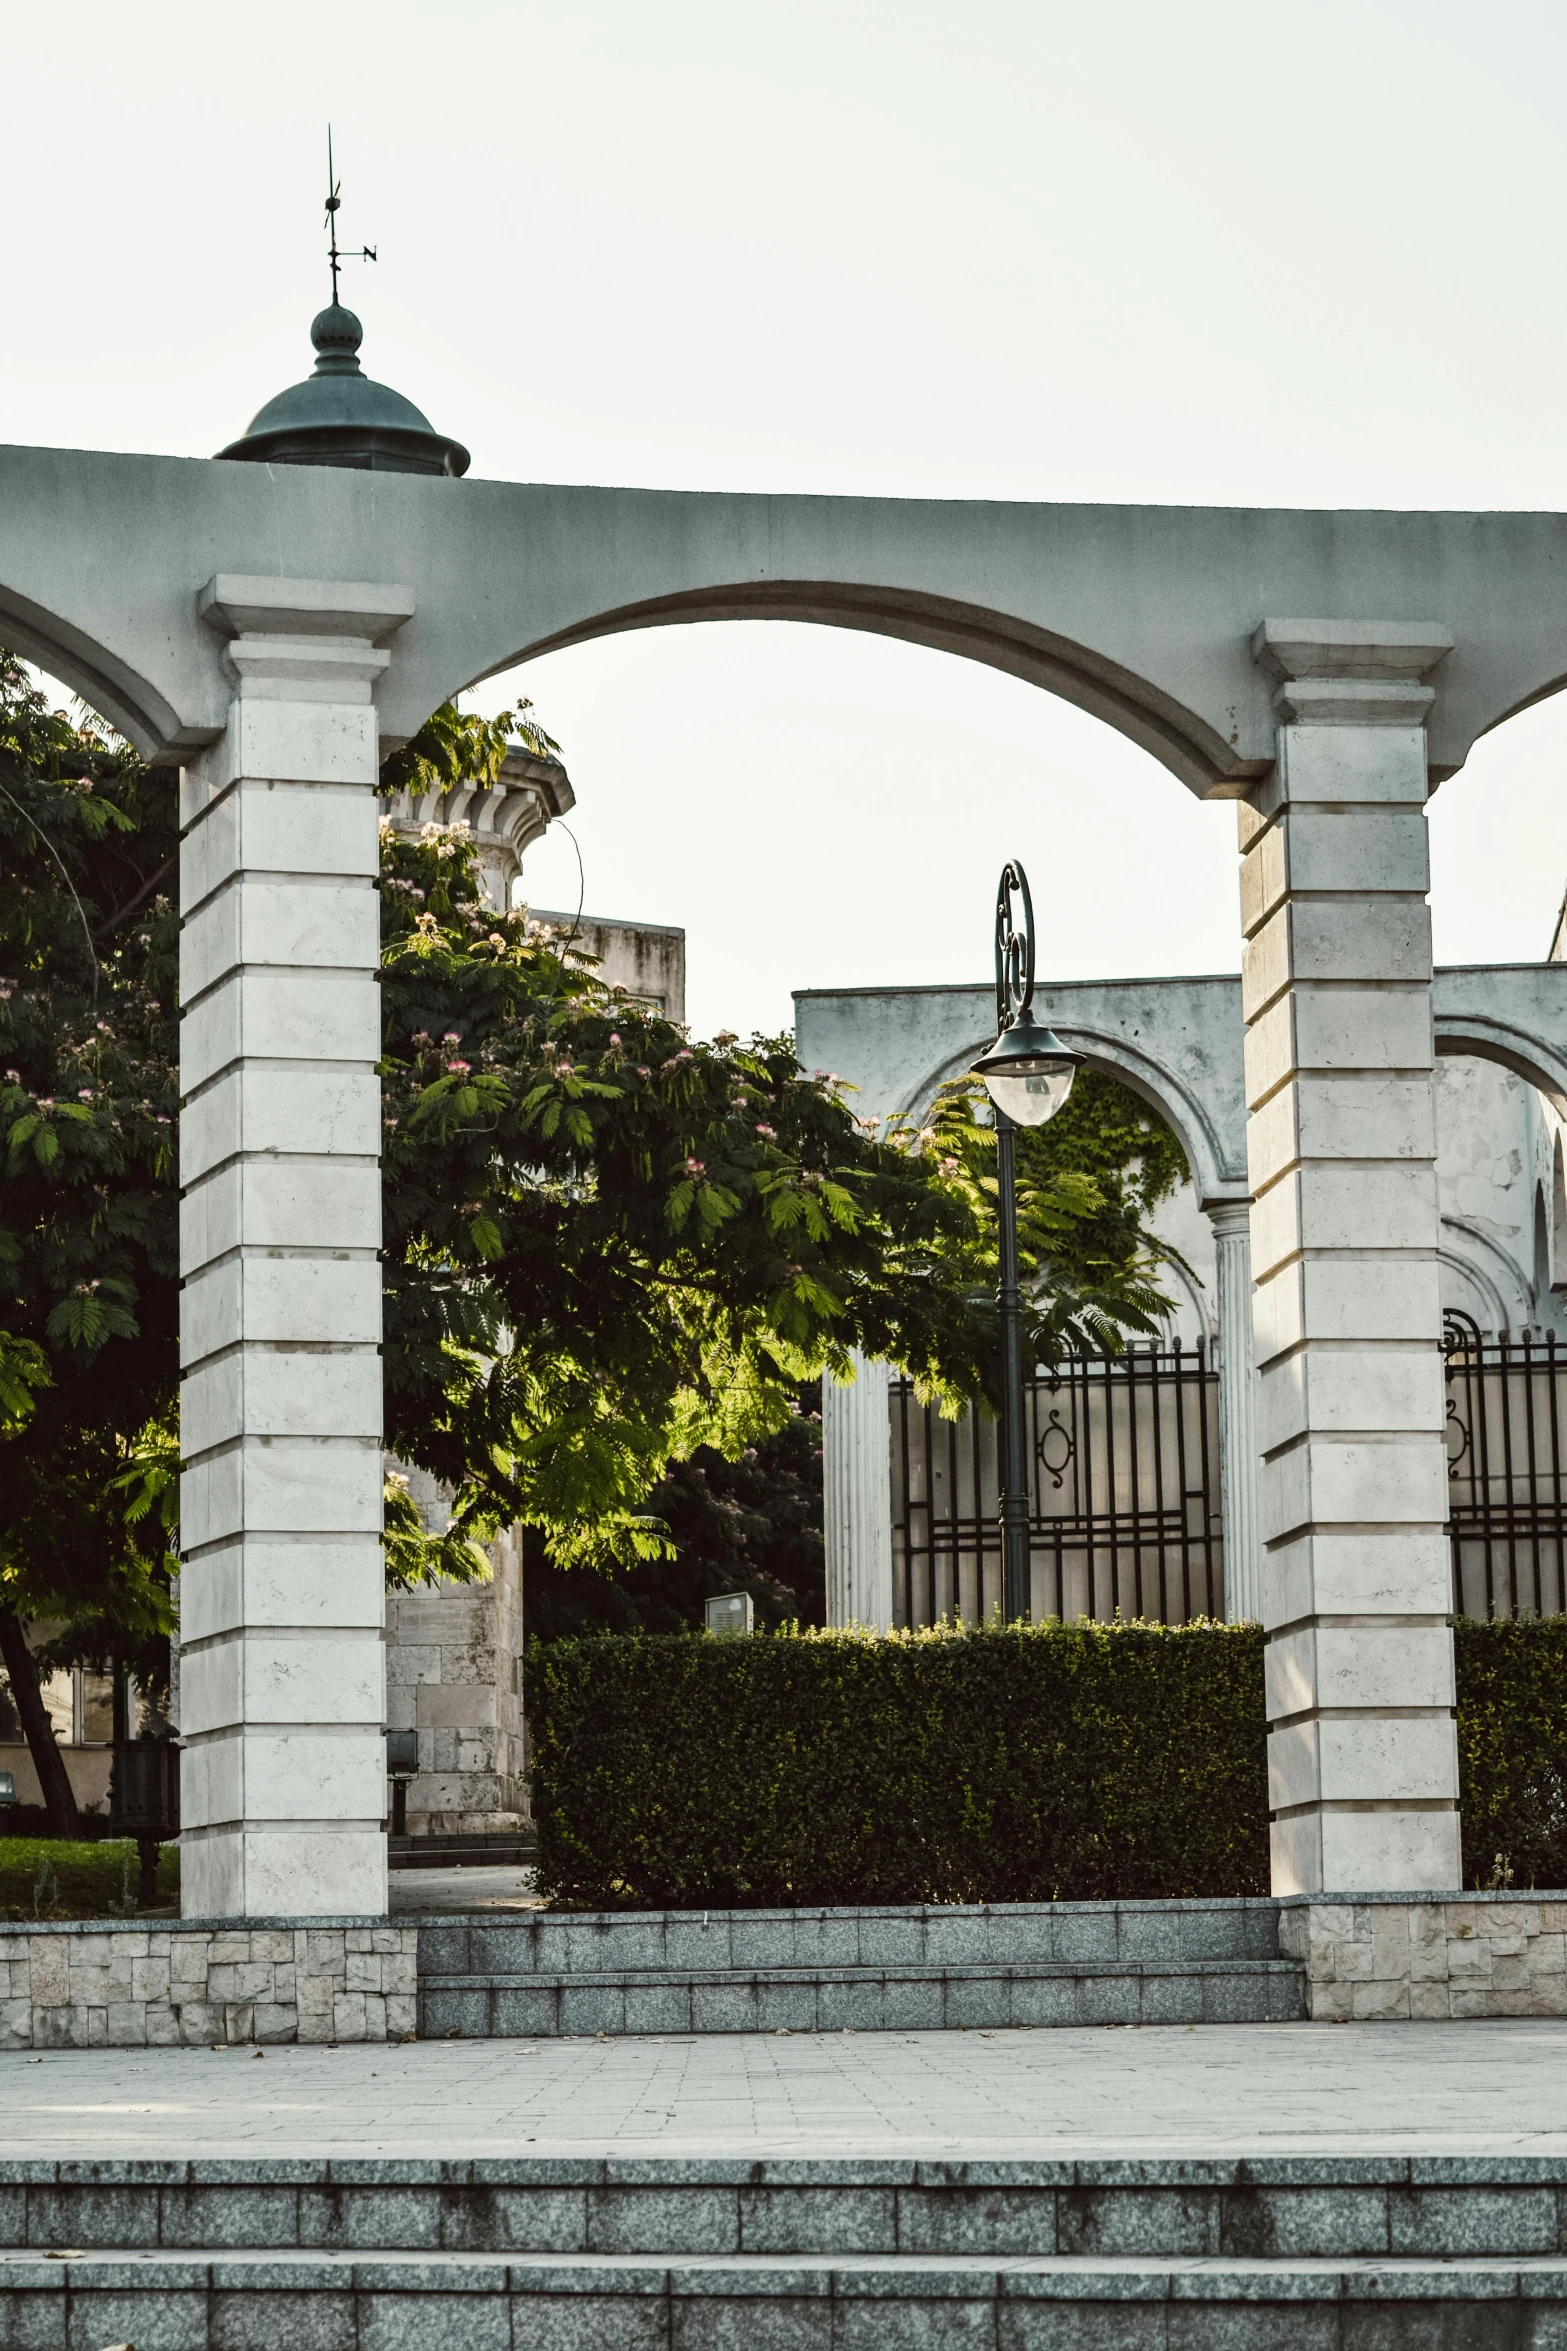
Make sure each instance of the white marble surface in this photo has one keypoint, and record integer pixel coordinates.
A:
(1404, 2089)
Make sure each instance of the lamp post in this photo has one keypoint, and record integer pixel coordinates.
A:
(1028, 1075)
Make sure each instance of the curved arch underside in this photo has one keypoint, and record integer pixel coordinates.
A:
(1155, 721)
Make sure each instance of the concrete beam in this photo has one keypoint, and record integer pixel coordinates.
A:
(1144, 616)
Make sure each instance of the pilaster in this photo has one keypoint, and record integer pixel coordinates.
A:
(282, 1670)
(1336, 982)
(1238, 1465)
(857, 1481)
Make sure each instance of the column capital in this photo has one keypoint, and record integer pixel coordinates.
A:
(1352, 672)
(239, 605)
(1230, 1219)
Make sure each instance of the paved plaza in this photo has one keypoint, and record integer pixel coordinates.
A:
(1484, 2088)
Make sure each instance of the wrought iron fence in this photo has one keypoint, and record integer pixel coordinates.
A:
(1124, 1493)
(1506, 1413)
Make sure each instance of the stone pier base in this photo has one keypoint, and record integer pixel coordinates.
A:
(1394, 1955)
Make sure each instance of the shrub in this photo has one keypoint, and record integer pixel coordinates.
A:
(1049, 1762)
(1512, 1750)
(50, 1877)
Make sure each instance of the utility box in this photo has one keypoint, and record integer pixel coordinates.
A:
(730, 1612)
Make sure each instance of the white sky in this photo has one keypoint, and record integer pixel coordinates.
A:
(1010, 248)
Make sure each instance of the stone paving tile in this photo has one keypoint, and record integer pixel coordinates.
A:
(1215, 2092)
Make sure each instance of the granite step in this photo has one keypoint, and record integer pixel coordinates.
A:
(254, 2299)
(486, 1849)
(1331, 2209)
(914, 1998)
(904, 1969)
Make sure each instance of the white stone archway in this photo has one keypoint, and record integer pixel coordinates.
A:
(273, 629)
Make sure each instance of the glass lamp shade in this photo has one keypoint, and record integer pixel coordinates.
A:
(1028, 1072)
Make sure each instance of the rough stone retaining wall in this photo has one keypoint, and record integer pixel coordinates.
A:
(1387, 1956)
(126, 1984)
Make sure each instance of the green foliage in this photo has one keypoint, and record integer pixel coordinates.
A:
(1512, 1750)
(1090, 1266)
(607, 1246)
(1026, 1764)
(753, 1525)
(51, 1877)
(456, 747)
(88, 1098)
(24, 1368)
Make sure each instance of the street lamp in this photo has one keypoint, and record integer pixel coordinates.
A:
(1028, 1075)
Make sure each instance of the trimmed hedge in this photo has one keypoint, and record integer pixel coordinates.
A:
(1051, 1762)
(1512, 1750)
(1087, 1761)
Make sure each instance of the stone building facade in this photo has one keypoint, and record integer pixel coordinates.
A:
(1501, 1186)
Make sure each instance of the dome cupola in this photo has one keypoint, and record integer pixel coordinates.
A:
(341, 416)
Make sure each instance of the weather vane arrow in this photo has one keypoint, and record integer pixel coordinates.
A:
(334, 203)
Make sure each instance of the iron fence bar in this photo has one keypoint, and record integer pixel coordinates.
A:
(1181, 1478)
(1133, 1479)
(1157, 1388)
(1505, 1386)
(1480, 1444)
(1556, 1461)
(1534, 1484)
(1110, 1493)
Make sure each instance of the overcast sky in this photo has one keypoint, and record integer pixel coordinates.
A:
(1248, 254)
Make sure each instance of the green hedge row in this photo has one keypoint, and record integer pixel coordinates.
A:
(1512, 1751)
(1061, 1761)
(675, 1771)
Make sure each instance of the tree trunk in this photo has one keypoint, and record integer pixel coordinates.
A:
(48, 1762)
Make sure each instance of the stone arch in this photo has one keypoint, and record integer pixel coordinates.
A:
(1196, 1128)
(1491, 1277)
(1510, 1036)
(133, 705)
(1134, 706)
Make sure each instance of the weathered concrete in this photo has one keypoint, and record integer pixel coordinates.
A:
(1141, 615)
(1177, 1041)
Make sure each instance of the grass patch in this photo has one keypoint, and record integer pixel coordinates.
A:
(54, 1877)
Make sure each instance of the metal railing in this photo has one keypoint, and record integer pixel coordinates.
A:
(1506, 1417)
(1124, 1495)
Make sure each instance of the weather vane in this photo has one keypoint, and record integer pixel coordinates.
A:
(334, 203)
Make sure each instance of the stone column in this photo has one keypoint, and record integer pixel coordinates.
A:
(283, 1776)
(857, 1482)
(1344, 1230)
(1238, 1465)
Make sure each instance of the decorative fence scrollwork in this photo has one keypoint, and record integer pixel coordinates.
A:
(1507, 1519)
(1124, 1495)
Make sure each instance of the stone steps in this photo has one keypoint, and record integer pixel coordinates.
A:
(1325, 2209)
(918, 1969)
(1281, 2254)
(486, 1849)
(911, 1999)
(252, 2299)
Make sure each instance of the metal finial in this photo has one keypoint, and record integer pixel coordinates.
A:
(334, 201)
